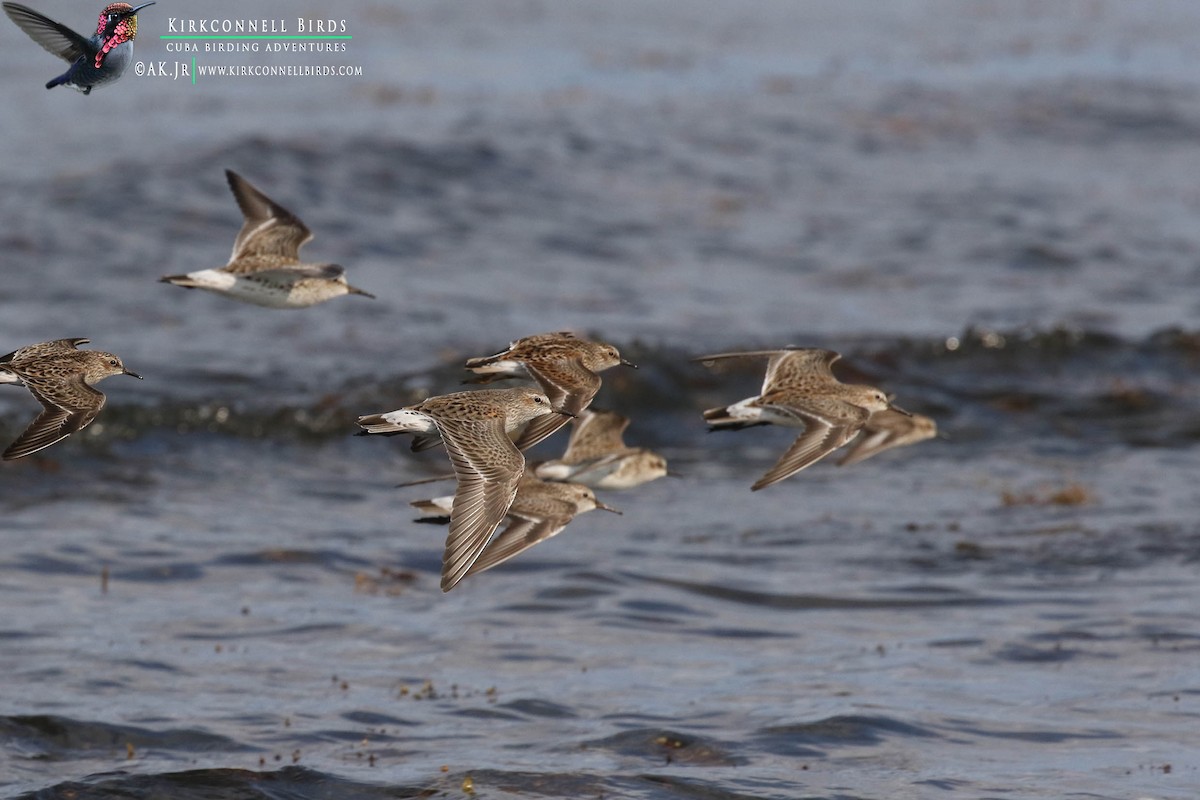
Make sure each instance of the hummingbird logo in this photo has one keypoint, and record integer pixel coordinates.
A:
(94, 61)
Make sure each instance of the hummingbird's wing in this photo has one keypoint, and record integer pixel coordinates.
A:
(54, 37)
(270, 230)
(69, 406)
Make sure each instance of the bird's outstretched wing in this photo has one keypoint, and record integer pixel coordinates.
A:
(488, 467)
(53, 37)
(68, 406)
(270, 230)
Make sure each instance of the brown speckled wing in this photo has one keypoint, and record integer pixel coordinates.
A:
(270, 233)
(570, 387)
(532, 524)
(829, 423)
(799, 367)
(885, 430)
(544, 347)
(52, 425)
(425, 441)
(786, 366)
(42, 349)
(527, 345)
(595, 434)
(70, 405)
(488, 467)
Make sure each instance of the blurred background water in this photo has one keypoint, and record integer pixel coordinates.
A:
(989, 208)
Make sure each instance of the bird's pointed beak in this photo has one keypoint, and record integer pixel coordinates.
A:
(673, 474)
(132, 374)
(603, 507)
(899, 410)
(565, 413)
(627, 363)
(355, 290)
(138, 8)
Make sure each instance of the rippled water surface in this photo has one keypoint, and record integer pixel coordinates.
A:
(217, 592)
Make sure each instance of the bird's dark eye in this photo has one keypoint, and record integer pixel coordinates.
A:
(112, 362)
(537, 400)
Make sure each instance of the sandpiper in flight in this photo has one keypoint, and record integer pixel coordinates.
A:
(540, 510)
(94, 61)
(265, 268)
(564, 365)
(887, 429)
(800, 391)
(597, 455)
(60, 377)
(475, 428)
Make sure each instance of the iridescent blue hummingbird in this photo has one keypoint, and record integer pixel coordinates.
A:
(94, 61)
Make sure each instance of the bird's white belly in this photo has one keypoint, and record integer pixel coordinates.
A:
(555, 471)
(250, 289)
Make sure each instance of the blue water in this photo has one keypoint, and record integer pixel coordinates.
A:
(216, 591)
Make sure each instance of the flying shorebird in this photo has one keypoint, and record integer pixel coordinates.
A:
(887, 429)
(564, 365)
(800, 391)
(60, 377)
(265, 268)
(540, 510)
(475, 428)
(597, 455)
